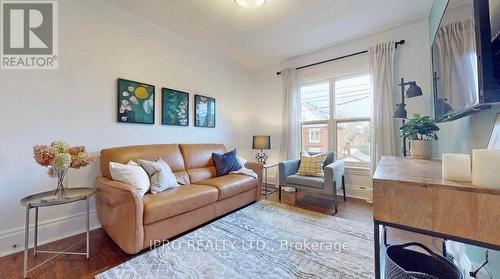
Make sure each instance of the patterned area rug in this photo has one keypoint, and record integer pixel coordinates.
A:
(263, 240)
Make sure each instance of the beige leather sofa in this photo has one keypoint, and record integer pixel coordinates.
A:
(135, 222)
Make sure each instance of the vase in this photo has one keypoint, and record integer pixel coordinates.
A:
(61, 189)
(421, 149)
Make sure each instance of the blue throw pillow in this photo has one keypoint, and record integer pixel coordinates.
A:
(225, 163)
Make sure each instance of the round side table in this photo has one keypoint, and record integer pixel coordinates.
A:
(43, 200)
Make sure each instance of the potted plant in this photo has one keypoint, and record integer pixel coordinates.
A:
(421, 130)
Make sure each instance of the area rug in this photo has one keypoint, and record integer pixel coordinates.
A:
(263, 240)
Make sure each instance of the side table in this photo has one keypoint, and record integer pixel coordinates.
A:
(39, 200)
(267, 191)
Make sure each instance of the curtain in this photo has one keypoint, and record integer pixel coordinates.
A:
(291, 134)
(381, 64)
(457, 61)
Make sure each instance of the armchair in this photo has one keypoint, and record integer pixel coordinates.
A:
(327, 185)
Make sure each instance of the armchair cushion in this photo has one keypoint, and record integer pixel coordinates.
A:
(307, 181)
(330, 156)
(311, 165)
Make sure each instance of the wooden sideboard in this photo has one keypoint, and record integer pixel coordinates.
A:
(411, 194)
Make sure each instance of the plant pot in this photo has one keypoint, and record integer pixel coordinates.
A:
(421, 149)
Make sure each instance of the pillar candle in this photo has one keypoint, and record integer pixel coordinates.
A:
(486, 168)
(456, 167)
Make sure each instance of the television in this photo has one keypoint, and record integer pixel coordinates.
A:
(466, 59)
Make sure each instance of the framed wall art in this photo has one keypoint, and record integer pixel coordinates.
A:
(136, 102)
(204, 111)
(175, 107)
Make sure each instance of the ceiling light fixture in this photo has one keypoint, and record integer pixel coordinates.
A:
(250, 3)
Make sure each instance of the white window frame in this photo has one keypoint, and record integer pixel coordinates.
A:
(314, 135)
(332, 122)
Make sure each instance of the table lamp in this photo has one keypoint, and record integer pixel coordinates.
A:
(261, 142)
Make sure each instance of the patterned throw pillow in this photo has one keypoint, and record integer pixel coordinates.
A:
(311, 165)
(160, 174)
(225, 163)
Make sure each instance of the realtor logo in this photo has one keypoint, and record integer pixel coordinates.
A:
(29, 35)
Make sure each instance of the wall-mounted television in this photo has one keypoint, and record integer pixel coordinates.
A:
(466, 59)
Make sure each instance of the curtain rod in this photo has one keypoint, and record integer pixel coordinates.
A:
(402, 42)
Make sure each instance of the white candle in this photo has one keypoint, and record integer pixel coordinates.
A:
(456, 167)
(486, 168)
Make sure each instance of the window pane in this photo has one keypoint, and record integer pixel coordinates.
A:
(315, 137)
(353, 97)
(315, 102)
(353, 141)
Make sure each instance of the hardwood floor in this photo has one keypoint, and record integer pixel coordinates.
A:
(104, 253)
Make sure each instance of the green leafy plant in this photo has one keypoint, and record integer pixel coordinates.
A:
(419, 128)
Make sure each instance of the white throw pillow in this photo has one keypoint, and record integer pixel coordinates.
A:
(132, 174)
(160, 174)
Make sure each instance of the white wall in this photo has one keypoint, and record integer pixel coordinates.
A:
(412, 62)
(77, 104)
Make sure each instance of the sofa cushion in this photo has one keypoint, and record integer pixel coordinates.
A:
(198, 160)
(176, 201)
(308, 181)
(231, 184)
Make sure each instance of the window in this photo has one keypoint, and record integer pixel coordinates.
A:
(315, 114)
(336, 115)
(314, 135)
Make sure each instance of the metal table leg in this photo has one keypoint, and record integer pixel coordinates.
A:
(384, 236)
(265, 170)
(26, 238)
(376, 240)
(36, 232)
(88, 228)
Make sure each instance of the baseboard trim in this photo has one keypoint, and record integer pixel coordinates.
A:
(12, 240)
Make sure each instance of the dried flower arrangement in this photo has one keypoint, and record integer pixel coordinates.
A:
(59, 157)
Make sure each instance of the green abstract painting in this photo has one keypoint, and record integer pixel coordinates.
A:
(204, 110)
(136, 102)
(175, 107)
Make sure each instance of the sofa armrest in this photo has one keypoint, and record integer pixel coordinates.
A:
(333, 176)
(287, 168)
(258, 169)
(120, 211)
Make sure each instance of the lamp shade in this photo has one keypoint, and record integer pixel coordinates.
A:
(261, 142)
(400, 112)
(414, 90)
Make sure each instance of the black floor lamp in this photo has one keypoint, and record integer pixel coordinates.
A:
(400, 112)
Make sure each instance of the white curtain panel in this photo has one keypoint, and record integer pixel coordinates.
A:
(381, 64)
(457, 58)
(291, 134)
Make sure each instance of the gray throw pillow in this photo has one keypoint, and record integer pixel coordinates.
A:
(160, 174)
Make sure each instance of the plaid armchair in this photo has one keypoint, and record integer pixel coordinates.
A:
(333, 179)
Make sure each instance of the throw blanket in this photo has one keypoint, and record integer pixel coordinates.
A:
(245, 171)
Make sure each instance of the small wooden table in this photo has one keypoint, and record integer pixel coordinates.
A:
(267, 191)
(40, 200)
(411, 194)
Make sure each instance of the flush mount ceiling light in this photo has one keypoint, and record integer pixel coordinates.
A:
(250, 3)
